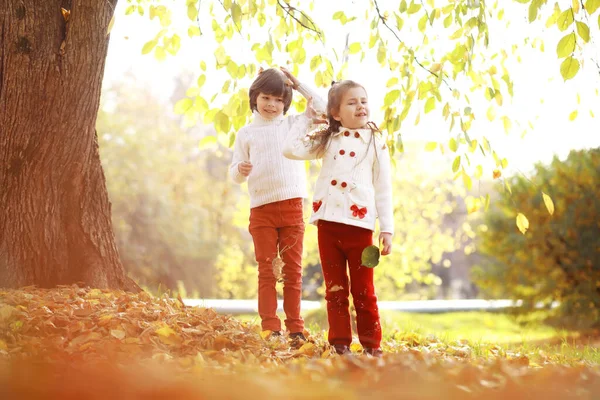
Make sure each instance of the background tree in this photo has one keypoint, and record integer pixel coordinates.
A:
(558, 258)
(55, 225)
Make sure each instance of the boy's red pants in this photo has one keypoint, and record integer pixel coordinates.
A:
(279, 227)
(341, 244)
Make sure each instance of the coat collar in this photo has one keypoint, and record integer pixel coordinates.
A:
(365, 133)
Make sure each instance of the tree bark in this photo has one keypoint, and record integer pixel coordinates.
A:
(55, 225)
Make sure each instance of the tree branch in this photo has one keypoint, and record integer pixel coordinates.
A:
(289, 10)
(382, 18)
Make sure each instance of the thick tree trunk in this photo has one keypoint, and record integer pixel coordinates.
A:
(55, 226)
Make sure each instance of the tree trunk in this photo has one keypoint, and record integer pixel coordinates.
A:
(55, 225)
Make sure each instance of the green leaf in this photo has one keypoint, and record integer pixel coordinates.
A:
(192, 11)
(533, 10)
(183, 105)
(149, 46)
(194, 31)
(354, 48)
(591, 6)
(565, 19)
(201, 80)
(453, 144)
(569, 68)
(522, 223)
(370, 256)
(423, 23)
(429, 104)
(583, 30)
(566, 45)
(221, 121)
(456, 164)
(431, 146)
(549, 203)
(413, 8)
(391, 97)
(236, 13)
(467, 181)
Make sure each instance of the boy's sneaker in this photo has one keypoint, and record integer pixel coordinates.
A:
(275, 334)
(373, 352)
(297, 336)
(341, 349)
(297, 339)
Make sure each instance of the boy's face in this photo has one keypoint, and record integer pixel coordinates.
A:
(269, 106)
(354, 109)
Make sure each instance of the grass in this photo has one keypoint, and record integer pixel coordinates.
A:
(481, 330)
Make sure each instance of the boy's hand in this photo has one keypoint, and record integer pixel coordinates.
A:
(312, 113)
(385, 239)
(245, 167)
(292, 78)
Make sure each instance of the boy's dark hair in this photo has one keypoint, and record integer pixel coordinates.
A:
(272, 82)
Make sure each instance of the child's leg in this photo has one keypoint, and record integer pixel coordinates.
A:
(264, 235)
(291, 237)
(363, 290)
(333, 263)
(290, 249)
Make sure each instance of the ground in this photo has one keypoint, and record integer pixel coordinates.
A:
(89, 343)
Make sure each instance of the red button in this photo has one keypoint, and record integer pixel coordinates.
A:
(352, 154)
(344, 184)
(346, 133)
(356, 134)
(342, 152)
(334, 182)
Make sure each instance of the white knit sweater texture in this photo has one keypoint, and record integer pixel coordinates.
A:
(273, 177)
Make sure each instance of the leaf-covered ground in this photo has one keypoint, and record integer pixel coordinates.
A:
(89, 343)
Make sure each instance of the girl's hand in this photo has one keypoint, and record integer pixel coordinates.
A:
(312, 113)
(385, 239)
(292, 78)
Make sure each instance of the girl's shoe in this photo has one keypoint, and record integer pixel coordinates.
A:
(373, 352)
(297, 336)
(341, 349)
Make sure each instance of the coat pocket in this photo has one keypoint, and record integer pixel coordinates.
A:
(360, 205)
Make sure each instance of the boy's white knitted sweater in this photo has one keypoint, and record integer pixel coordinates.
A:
(273, 177)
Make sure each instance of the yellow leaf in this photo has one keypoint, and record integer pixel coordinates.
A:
(491, 113)
(573, 115)
(307, 349)
(119, 334)
(110, 25)
(549, 203)
(522, 223)
(265, 334)
(497, 174)
(355, 348)
(431, 146)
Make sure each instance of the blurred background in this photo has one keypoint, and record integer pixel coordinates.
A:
(181, 225)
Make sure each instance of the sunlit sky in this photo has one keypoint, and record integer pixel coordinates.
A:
(540, 94)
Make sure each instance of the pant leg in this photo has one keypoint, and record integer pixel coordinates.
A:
(333, 264)
(265, 237)
(291, 237)
(362, 289)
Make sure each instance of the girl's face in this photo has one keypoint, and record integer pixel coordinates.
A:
(269, 106)
(354, 109)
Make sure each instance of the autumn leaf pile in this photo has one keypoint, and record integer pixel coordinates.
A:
(89, 343)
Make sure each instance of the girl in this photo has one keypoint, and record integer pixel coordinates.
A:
(353, 189)
(277, 186)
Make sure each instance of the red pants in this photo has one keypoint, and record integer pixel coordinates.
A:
(340, 244)
(279, 228)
